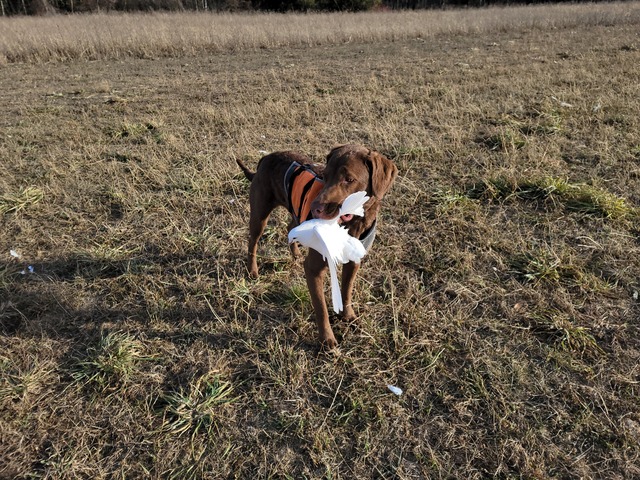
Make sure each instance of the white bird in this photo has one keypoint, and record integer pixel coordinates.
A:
(333, 242)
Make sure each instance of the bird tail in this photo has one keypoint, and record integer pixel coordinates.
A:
(336, 296)
(247, 173)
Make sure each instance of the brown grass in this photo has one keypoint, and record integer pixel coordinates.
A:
(114, 36)
(503, 305)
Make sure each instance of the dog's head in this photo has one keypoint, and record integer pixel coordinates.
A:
(350, 169)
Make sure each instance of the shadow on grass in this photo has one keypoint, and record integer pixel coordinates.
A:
(79, 299)
(78, 296)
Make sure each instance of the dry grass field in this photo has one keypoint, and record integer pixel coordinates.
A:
(502, 293)
(101, 36)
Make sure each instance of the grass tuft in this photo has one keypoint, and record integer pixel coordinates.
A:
(18, 383)
(537, 268)
(564, 333)
(13, 203)
(595, 201)
(138, 133)
(195, 410)
(449, 201)
(504, 139)
(581, 198)
(112, 363)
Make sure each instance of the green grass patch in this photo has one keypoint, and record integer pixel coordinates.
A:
(563, 332)
(537, 268)
(577, 197)
(292, 296)
(194, 410)
(112, 363)
(545, 266)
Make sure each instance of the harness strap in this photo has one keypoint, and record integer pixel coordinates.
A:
(289, 178)
(302, 186)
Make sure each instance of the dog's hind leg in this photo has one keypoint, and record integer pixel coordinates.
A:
(259, 215)
(293, 246)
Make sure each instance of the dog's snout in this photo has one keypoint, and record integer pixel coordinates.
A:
(324, 211)
(318, 210)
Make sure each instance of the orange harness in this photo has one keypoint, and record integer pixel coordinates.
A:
(303, 186)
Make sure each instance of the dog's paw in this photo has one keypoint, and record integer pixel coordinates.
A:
(325, 335)
(348, 315)
(328, 344)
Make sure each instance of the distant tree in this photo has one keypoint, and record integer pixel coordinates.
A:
(26, 7)
(348, 5)
(285, 5)
(154, 5)
(43, 7)
(309, 5)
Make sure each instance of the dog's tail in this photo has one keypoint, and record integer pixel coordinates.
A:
(247, 173)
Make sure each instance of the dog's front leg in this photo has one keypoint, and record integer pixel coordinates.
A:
(349, 271)
(314, 269)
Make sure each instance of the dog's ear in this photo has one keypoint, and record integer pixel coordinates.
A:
(334, 149)
(383, 172)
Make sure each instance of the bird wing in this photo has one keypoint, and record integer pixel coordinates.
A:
(303, 233)
(295, 233)
(353, 204)
(323, 242)
(335, 244)
(354, 250)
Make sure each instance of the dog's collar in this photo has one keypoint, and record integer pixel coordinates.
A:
(368, 236)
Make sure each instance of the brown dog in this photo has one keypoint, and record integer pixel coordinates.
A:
(281, 176)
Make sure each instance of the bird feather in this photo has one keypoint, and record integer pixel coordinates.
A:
(354, 204)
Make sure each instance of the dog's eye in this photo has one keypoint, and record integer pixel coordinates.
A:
(349, 179)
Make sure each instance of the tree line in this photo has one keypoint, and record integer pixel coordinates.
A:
(43, 7)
